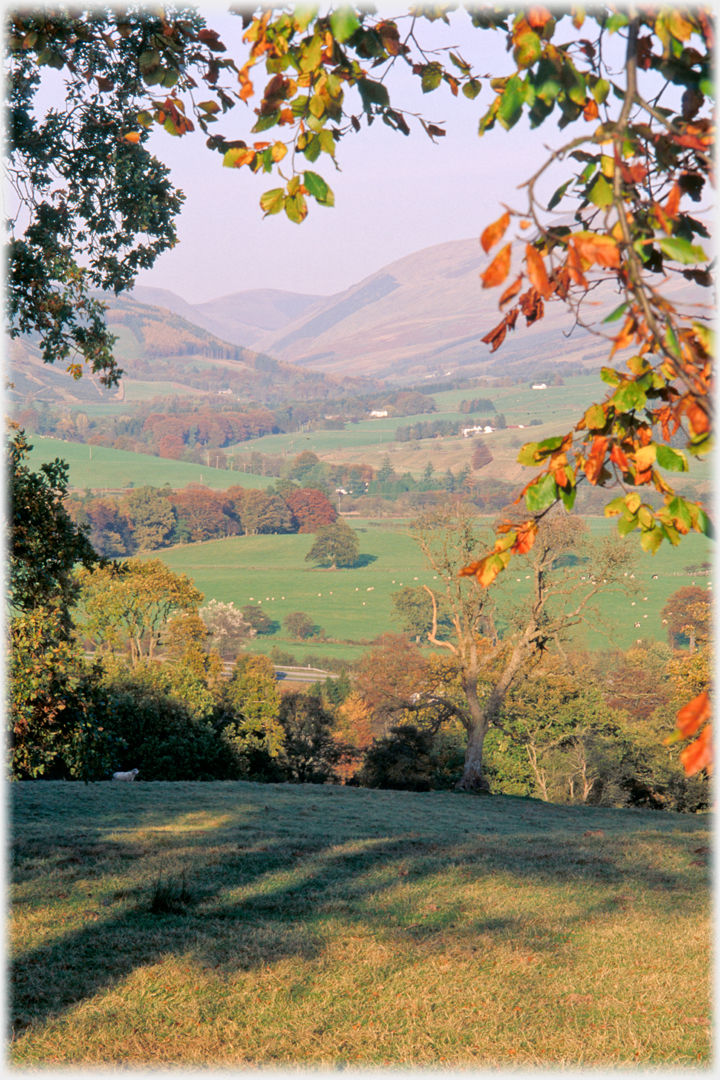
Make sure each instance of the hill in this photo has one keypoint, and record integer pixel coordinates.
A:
(419, 317)
(162, 354)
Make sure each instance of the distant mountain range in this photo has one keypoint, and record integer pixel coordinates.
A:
(423, 315)
(420, 317)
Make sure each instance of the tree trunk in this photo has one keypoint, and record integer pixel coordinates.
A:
(472, 778)
(482, 716)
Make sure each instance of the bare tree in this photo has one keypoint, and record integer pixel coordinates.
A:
(563, 588)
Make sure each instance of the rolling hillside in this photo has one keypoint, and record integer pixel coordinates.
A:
(421, 316)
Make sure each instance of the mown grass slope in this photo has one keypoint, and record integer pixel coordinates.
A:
(339, 927)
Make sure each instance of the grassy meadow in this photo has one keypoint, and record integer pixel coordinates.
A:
(100, 467)
(356, 604)
(239, 924)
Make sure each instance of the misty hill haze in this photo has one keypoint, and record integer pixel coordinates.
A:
(424, 314)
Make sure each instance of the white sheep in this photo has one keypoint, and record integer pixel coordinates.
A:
(125, 775)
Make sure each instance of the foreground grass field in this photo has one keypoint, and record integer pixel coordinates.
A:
(330, 926)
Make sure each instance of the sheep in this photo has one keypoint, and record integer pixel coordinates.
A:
(125, 775)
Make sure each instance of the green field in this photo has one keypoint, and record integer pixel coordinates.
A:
(251, 925)
(100, 467)
(356, 603)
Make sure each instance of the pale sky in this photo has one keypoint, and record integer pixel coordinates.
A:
(395, 194)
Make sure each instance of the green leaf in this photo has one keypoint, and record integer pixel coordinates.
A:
(600, 91)
(431, 77)
(527, 49)
(615, 506)
(672, 342)
(472, 88)
(600, 194)
(615, 315)
(629, 396)
(627, 524)
(209, 106)
(568, 496)
(527, 454)
(318, 189)
(510, 103)
(595, 418)
(296, 208)
(651, 540)
(327, 141)
(615, 22)
(681, 251)
(680, 510)
(265, 122)
(548, 445)
(541, 494)
(610, 376)
(272, 201)
(310, 54)
(558, 195)
(344, 23)
(673, 460)
(372, 93)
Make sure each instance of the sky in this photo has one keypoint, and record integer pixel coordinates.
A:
(394, 195)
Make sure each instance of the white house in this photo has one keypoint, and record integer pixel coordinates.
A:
(539, 386)
(379, 412)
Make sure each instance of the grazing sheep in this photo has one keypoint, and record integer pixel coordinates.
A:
(125, 775)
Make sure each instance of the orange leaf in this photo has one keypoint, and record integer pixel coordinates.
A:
(485, 570)
(526, 534)
(617, 456)
(494, 232)
(498, 269)
(510, 292)
(590, 112)
(132, 137)
(596, 458)
(698, 417)
(536, 271)
(699, 754)
(538, 17)
(600, 249)
(693, 715)
(575, 269)
(673, 202)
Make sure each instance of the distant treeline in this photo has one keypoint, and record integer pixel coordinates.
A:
(148, 518)
(184, 429)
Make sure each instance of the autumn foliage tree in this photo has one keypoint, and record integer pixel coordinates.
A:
(311, 509)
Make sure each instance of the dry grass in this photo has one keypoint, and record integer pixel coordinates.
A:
(326, 926)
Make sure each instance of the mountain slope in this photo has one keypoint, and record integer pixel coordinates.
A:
(423, 315)
(242, 318)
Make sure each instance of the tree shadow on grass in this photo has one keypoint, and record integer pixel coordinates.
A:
(290, 884)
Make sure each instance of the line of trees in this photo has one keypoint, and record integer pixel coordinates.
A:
(148, 518)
